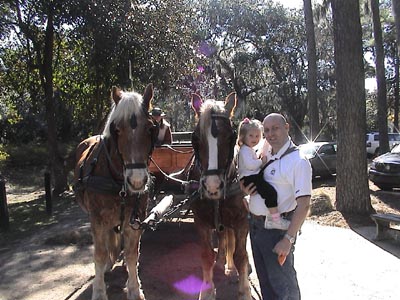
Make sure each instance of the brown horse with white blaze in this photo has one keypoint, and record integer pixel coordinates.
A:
(111, 184)
(220, 207)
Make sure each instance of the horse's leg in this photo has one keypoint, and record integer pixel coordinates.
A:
(230, 269)
(131, 250)
(242, 261)
(208, 255)
(114, 247)
(101, 258)
(222, 248)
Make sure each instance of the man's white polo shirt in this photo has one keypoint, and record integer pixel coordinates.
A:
(289, 175)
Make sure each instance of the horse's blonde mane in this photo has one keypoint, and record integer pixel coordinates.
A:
(129, 104)
(208, 108)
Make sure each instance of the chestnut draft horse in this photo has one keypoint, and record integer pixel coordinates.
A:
(111, 184)
(220, 207)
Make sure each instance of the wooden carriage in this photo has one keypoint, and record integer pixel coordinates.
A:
(172, 158)
(170, 166)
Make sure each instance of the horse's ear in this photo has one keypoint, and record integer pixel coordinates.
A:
(196, 103)
(116, 94)
(230, 104)
(147, 97)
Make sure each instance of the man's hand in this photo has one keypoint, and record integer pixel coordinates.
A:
(282, 248)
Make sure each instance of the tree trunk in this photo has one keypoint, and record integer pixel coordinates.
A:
(59, 176)
(312, 71)
(352, 190)
(396, 93)
(396, 12)
(380, 79)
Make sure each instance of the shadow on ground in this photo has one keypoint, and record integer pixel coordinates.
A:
(169, 268)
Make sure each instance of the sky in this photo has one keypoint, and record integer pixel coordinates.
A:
(294, 3)
(291, 3)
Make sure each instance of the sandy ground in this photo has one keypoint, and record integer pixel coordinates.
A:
(332, 263)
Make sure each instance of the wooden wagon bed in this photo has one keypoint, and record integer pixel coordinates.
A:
(172, 160)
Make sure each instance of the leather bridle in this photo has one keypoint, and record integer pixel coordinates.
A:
(196, 140)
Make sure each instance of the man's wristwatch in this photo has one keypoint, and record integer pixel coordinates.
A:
(290, 238)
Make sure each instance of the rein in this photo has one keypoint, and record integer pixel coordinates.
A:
(169, 176)
(178, 151)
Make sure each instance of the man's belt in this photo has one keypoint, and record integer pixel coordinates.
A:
(284, 215)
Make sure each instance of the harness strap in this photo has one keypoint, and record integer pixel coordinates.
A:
(134, 220)
(135, 166)
(288, 151)
(110, 163)
(82, 179)
(100, 184)
(213, 172)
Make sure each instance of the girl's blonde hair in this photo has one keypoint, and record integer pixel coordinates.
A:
(245, 126)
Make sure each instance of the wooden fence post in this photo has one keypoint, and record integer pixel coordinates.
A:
(4, 217)
(47, 188)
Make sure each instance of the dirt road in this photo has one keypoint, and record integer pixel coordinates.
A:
(169, 267)
(56, 264)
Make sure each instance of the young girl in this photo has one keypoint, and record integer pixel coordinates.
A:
(249, 165)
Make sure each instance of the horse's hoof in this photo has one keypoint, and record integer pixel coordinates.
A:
(208, 295)
(245, 296)
(99, 296)
(136, 296)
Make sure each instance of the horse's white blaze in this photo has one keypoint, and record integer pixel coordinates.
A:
(212, 182)
(212, 151)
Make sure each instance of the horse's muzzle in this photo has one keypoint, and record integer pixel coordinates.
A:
(212, 187)
(136, 179)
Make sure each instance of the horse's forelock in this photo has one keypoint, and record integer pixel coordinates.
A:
(130, 103)
(208, 108)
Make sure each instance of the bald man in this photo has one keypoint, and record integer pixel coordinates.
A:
(290, 174)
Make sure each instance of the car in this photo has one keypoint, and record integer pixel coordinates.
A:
(322, 156)
(384, 170)
(372, 142)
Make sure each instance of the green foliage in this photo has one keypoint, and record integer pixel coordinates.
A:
(372, 118)
(256, 48)
(3, 155)
(29, 154)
